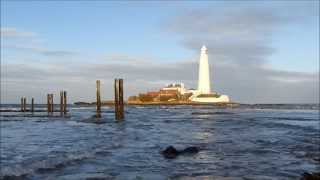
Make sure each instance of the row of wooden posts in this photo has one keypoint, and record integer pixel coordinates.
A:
(23, 105)
(63, 103)
(118, 101)
(50, 107)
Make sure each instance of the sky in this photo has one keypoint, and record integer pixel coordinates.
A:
(259, 52)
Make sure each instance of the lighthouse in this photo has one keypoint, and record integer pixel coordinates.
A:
(204, 72)
(203, 93)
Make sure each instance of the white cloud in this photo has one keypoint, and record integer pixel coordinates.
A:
(13, 32)
(39, 50)
(243, 84)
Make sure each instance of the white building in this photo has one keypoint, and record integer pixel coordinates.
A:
(203, 93)
(176, 86)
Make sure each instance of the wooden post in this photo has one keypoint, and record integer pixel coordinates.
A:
(24, 104)
(21, 105)
(48, 103)
(98, 103)
(32, 105)
(121, 104)
(65, 102)
(61, 103)
(116, 99)
(51, 103)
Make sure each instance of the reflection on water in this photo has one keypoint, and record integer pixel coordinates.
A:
(240, 143)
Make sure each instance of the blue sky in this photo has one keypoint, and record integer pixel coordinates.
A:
(87, 33)
(96, 27)
(136, 29)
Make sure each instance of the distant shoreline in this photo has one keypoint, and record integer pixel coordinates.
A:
(182, 103)
(175, 103)
(309, 106)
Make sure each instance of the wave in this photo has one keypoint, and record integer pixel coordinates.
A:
(282, 106)
(28, 169)
(295, 119)
(212, 113)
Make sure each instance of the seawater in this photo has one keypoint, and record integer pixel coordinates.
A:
(247, 142)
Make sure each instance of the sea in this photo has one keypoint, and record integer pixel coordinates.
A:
(246, 142)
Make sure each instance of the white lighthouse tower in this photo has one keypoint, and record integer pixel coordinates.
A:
(203, 93)
(204, 72)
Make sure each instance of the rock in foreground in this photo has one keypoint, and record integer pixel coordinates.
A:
(311, 176)
(170, 152)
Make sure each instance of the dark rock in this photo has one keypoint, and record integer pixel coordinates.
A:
(317, 159)
(170, 152)
(311, 176)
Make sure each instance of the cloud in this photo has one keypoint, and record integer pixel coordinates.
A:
(14, 33)
(263, 85)
(119, 58)
(237, 35)
(56, 53)
(28, 44)
(40, 50)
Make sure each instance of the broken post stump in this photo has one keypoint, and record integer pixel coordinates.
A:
(61, 103)
(51, 103)
(48, 103)
(98, 97)
(121, 104)
(24, 104)
(21, 105)
(65, 102)
(32, 105)
(116, 98)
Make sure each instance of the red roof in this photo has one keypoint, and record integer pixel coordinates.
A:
(153, 94)
(168, 92)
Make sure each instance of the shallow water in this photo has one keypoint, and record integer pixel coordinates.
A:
(239, 143)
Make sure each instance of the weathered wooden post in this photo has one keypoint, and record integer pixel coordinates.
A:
(24, 104)
(32, 105)
(61, 103)
(21, 105)
(48, 103)
(121, 104)
(118, 99)
(98, 103)
(51, 103)
(65, 102)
